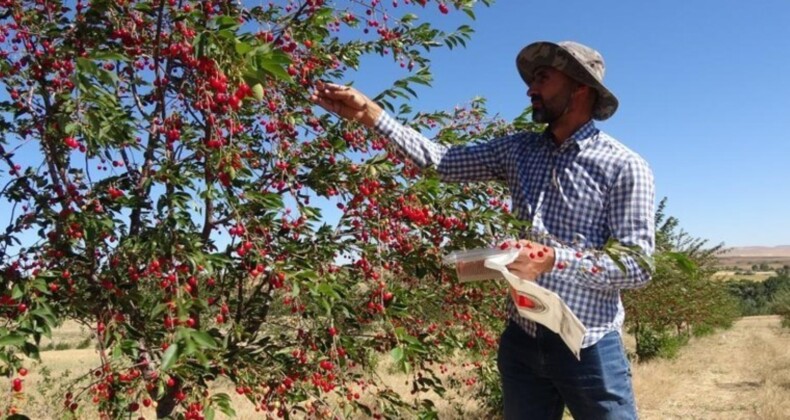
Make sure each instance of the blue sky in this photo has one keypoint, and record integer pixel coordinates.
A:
(704, 90)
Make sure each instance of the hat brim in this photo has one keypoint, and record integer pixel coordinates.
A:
(549, 54)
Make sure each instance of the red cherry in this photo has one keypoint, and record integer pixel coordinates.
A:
(443, 8)
(71, 142)
(22, 372)
(17, 385)
(525, 302)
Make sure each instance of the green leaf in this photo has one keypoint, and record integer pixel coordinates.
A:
(209, 412)
(170, 356)
(72, 128)
(31, 350)
(227, 22)
(307, 274)
(145, 8)
(110, 56)
(397, 354)
(158, 310)
(204, 340)
(107, 77)
(12, 339)
(85, 65)
(17, 293)
(683, 262)
(269, 201)
(202, 359)
(243, 48)
(190, 347)
(408, 17)
(365, 409)
(222, 400)
(312, 213)
(275, 70)
(326, 289)
(274, 63)
(41, 285)
(117, 353)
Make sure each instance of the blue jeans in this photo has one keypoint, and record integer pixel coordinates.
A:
(540, 376)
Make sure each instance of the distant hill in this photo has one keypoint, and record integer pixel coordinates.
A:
(746, 257)
(759, 251)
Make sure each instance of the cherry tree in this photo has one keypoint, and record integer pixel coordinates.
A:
(168, 184)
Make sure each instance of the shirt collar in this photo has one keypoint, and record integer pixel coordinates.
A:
(581, 137)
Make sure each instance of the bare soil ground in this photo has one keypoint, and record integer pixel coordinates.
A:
(741, 373)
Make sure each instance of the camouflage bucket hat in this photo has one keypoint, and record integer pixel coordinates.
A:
(578, 61)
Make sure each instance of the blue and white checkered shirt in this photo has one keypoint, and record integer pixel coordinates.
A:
(577, 196)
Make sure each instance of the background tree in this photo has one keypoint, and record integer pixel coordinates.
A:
(757, 298)
(682, 297)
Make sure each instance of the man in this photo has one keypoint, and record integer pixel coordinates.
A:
(579, 187)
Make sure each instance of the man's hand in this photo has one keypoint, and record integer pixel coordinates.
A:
(533, 260)
(346, 102)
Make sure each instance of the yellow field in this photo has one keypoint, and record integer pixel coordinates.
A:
(758, 276)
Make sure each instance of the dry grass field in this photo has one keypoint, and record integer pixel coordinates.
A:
(741, 373)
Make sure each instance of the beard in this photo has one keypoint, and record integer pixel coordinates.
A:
(548, 112)
(542, 115)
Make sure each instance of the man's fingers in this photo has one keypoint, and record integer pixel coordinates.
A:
(327, 104)
(332, 86)
(339, 108)
(348, 97)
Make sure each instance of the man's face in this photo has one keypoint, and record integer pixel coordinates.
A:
(550, 91)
